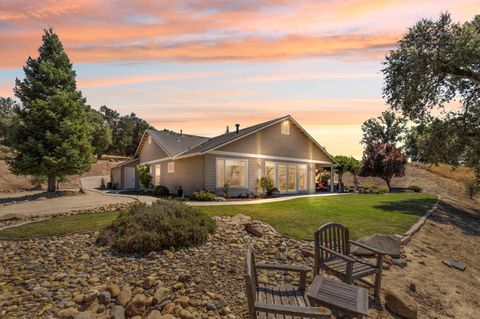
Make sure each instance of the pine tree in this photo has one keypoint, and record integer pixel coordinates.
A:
(52, 136)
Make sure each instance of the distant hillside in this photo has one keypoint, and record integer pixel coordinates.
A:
(10, 182)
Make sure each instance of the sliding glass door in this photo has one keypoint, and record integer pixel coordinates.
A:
(287, 177)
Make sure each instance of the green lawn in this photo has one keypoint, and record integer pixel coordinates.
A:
(63, 225)
(363, 214)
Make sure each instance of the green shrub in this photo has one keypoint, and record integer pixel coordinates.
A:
(144, 176)
(267, 186)
(415, 188)
(382, 190)
(472, 188)
(162, 225)
(203, 196)
(161, 190)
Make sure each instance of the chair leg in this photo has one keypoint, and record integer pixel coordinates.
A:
(378, 284)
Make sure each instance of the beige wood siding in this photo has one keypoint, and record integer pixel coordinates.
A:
(150, 152)
(270, 141)
(188, 174)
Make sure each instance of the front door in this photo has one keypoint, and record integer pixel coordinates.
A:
(129, 177)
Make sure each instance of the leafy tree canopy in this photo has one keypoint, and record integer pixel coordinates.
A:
(127, 131)
(387, 128)
(436, 63)
(51, 137)
(7, 117)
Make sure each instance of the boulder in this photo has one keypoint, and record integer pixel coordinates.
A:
(124, 296)
(240, 219)
(401, 304)
(389, 244)
(254, 228)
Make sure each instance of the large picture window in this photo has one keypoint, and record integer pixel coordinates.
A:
(270, 171)
(231, 171)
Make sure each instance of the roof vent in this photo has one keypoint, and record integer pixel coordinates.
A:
(237, 128)
(227, 130)
(181, 132)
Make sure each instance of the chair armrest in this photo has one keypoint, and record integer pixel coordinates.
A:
(333, 252)
(283, 267)
(309, 312)
(377, 251)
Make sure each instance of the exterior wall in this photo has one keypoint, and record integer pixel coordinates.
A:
(188, 174)
(256, 169)
(150, 152)
(270, 141)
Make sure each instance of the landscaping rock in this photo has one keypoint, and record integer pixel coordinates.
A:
(455, 264)
(118, 312)
(401, 304)
(389, 244)
(240, 219)
(104, 297)
(113, 289)
(124, 296)
(255, 229)
(400, 262)
(160, 295)
(69, 313)
(155, 314)
(136, 306)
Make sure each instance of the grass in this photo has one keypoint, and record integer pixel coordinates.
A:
(63, 225)
(364, 214)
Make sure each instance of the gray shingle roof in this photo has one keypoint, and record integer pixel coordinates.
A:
(175, 143)
(224, 138)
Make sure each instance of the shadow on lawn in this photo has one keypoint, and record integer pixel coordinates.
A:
(412, 206)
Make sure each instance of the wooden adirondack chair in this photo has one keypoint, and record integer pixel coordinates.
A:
(274, 302)
(332, 254)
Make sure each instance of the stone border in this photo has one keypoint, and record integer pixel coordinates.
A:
(416, 227)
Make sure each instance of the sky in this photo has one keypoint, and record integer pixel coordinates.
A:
(202, 65)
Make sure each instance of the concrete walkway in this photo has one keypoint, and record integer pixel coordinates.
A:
(151, 199)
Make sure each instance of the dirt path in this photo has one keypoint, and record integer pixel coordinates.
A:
(60, 204)
(452, 232)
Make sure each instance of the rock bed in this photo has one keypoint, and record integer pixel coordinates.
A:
(71, 277)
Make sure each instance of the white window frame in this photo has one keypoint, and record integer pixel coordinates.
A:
(157, 176)
(285, 128)
(224, 159)
(171, 167)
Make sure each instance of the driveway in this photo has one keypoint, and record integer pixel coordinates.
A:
(61, 204)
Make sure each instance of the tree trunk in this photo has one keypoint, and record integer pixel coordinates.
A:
(52, 183)
(387, 180)
(99, 156)
(355, 181)
(340, 183)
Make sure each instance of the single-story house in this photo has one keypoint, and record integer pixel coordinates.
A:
(279, 148)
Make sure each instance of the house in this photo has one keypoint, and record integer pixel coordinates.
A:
(279, 148)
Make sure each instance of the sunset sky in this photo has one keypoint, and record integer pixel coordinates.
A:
(202, 65)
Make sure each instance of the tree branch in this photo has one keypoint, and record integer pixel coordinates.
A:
(468, 74)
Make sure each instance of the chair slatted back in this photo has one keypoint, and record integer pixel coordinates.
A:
(333, 236)
(251, 281)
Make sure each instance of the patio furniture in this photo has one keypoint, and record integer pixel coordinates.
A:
(336, 295)
(332, 254)
(278, 302)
